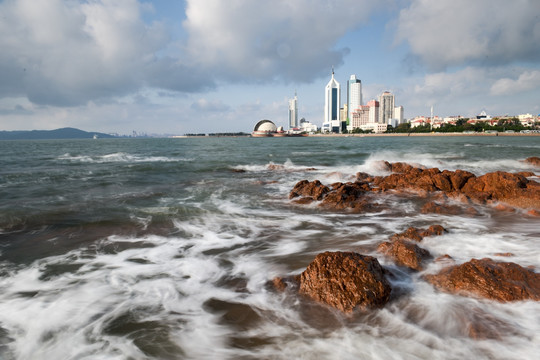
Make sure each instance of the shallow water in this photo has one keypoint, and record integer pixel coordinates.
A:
(163, 248)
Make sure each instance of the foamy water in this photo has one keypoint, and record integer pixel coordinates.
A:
(124, 251)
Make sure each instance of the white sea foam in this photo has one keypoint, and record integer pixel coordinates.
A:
(120, 157)
(202, 292)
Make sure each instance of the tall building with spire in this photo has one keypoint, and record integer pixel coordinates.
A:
(332, 101)
(293, 112)
(386, 107)
(354, 96)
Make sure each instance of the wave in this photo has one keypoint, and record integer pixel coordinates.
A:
(120, 157)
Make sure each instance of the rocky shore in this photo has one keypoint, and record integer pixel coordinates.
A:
(348, 281)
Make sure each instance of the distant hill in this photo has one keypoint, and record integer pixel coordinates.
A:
(64, 133)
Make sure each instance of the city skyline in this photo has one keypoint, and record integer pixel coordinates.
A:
(214, 66)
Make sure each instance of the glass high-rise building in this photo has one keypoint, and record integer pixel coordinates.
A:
(354, 96)
(332, 100)
(293, 112)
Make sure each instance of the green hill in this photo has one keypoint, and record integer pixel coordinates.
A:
(64, 133)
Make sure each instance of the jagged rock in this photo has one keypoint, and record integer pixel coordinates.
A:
(345, 280)
(405, 253)
(501, 281)
(313, 189)
(346, 196)
(513, 189)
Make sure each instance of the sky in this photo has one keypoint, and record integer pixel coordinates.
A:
(200, 66)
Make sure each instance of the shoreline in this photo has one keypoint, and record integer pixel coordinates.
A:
(424, 134)
(368, 135)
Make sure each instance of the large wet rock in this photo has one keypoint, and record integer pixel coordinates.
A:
(514, 189)
(501, 281)
(405, 253)
(345, 280)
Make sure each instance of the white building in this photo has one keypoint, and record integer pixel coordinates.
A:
(293, 112)
(398, 114)
(354, 96)
(375, 127)
(332, 101)
(307, 126)
(386, 107)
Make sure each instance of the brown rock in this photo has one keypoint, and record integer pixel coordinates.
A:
(526, 173)
(416, 234)
(513, 189)
(411, 233)
(535, 160)
(435, 208)
(458, 178)
(346, 196)
(533, 212)
(405, 253)
(434, 230)
(274, 167)
(506, 254)
(281, 284)
(444, 258)
(501, 281)
(313, 189)
(345, 280)
(504, 207)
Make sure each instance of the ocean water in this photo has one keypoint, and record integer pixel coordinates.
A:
(163, 249)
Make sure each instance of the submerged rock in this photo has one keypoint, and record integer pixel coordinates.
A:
(535, 160)
(416, 234)
(345, 280)
(501, 281)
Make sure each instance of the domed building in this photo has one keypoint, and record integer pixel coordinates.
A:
(264, 128)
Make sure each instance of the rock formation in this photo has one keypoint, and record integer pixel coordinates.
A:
(345, 280)
(405, 253)
(501, 281)
(494, 187)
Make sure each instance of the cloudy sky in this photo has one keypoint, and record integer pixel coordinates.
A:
(221, 65)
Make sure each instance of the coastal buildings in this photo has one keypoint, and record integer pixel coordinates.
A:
(332, 101)
(293, 112)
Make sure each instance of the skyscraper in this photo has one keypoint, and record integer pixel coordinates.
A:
(332, 102)
(354, 96)
(293, 112)
(386, 107)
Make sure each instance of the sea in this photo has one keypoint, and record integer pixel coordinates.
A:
(166, 248)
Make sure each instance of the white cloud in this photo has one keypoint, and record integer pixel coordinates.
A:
(528, 80)
(266, 40)
(67, 53)
(209, 105)
(446, 33)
